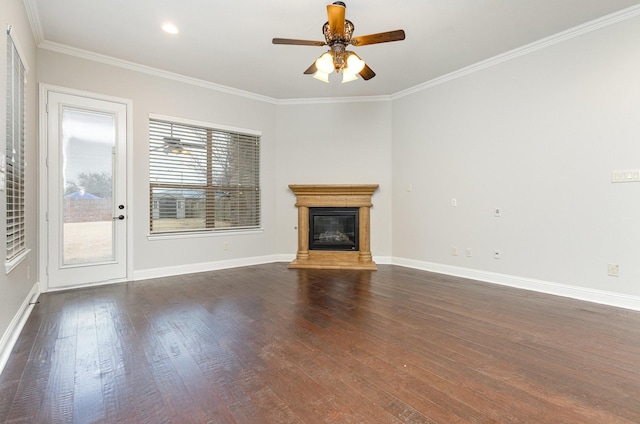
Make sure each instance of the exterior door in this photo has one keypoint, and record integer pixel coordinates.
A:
(86, 210)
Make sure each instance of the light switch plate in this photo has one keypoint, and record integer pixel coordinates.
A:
(625, 176)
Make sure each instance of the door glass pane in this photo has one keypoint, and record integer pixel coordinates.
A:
(88, 141)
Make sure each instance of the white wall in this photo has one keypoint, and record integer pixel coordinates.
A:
(152, 94)
(335, 143)
(16, 286)
(537, 136)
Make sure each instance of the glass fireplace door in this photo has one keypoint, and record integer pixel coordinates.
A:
(333, 229)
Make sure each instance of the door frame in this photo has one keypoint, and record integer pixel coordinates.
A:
(43, 223)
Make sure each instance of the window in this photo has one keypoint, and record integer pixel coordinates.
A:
(14, 157)
(202, 178)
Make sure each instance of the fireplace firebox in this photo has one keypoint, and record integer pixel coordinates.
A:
(333, 228)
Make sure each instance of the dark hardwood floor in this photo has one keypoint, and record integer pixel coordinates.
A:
(266, 344)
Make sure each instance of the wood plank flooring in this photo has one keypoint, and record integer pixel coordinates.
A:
(266, 344)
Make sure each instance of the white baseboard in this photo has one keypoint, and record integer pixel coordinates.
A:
(10, 336)
(383, 260)
(146, 274)
(580, 293)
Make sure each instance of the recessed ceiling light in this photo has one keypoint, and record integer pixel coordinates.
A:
(170, 28)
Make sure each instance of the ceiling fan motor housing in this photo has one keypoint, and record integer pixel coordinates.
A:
(338, 38)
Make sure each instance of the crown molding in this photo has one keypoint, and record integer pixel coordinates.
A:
(605, 21)
(333, 100)
(109, 60)
(34, 21)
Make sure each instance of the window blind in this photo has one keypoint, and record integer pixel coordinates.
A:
(202, 179)
(14, 178)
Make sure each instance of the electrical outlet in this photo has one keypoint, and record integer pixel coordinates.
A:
(468, 252)
(613, 270)
(497, 254)
(454, 203)
(454, 251)
(497, 212)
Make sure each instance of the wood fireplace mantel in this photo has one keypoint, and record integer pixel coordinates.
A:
(353, 196)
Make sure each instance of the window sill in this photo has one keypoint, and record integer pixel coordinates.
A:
(10, 265)
(201, 234)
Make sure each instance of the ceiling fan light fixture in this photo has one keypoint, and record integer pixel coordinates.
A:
(325, 63)
(322, 76)
(174, 145)
(348, 77)
(354, 63)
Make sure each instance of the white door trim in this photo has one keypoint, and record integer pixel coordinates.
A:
(43, 241)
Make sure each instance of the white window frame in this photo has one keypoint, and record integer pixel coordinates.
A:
(12, 166)
(212, 230)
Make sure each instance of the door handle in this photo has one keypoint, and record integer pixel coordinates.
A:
(120, 217)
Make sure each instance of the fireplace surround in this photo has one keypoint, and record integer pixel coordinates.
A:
(341, 244)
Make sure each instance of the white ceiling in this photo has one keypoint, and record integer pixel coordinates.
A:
(229, 42)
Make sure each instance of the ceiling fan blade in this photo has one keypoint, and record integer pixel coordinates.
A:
(311, 69)
(367, 73)
(336, 14)
(381, 37)
(298, 42)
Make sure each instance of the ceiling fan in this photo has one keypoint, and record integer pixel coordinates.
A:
(338, 35)
(174, 144)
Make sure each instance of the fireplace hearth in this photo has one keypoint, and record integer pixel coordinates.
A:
(333, 226)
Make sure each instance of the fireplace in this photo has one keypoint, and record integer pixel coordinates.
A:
(333, 229)
(333, 226)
